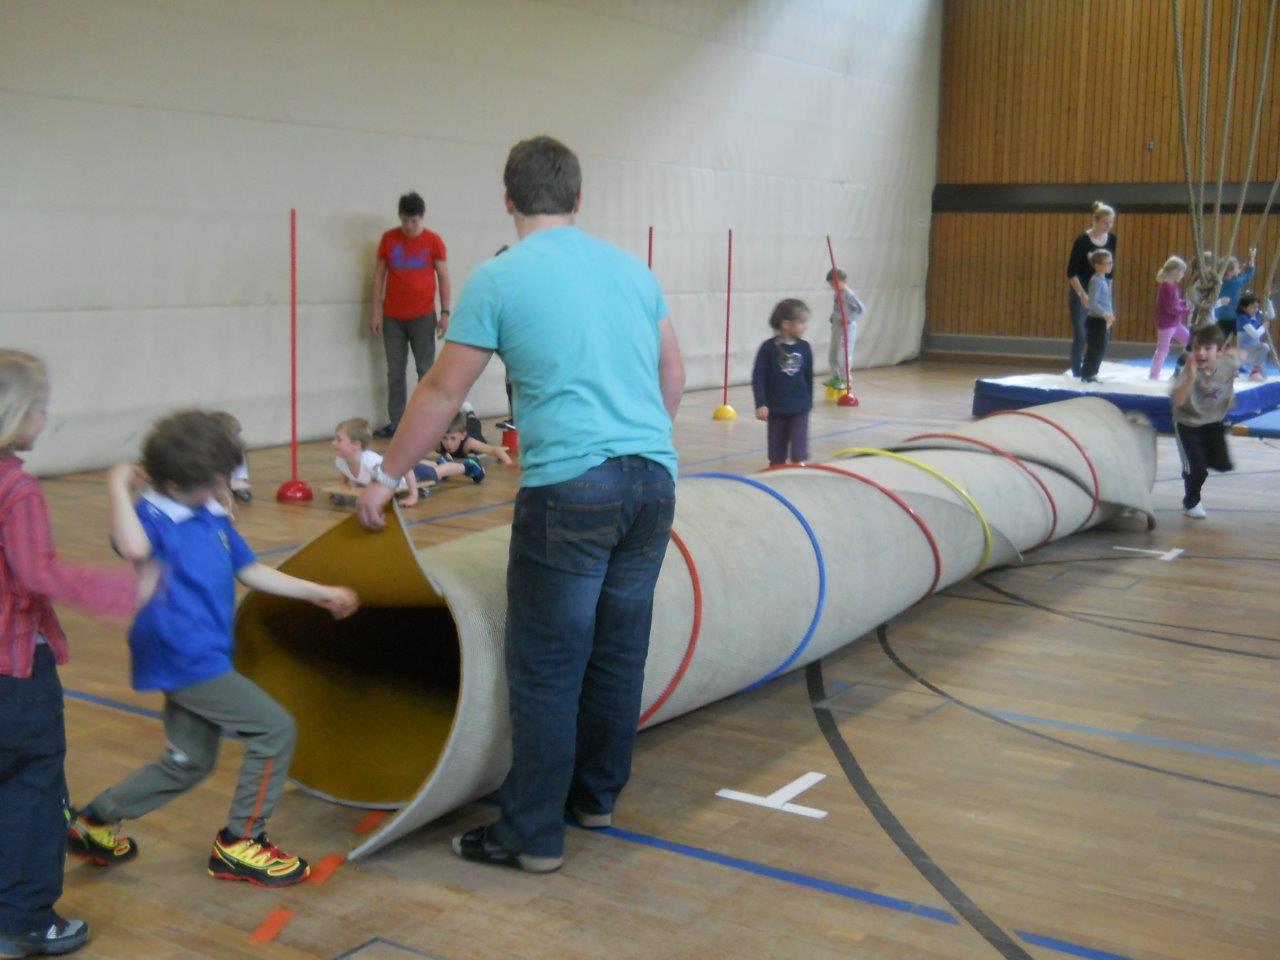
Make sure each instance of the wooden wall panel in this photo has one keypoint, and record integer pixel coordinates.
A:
(1070, 91)
(1004, 274)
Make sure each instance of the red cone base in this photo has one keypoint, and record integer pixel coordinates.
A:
(294, 491)
(847, 400)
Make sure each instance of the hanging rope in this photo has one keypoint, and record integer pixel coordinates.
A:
(1184, 123)
(1258, 102)
(1205, 73)
(1203, 292)
(1226, 133)
(1209, 263)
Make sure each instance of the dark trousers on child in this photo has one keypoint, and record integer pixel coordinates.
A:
(1079, 318)
(33, 795)
(788, 437)
(1201, 449)
(1096, 337)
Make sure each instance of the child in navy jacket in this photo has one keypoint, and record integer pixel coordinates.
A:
(782, 382)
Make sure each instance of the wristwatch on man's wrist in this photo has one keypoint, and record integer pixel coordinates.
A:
(381, 476)
(446, 313)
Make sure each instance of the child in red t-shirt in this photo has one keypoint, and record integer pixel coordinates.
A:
(411, 259)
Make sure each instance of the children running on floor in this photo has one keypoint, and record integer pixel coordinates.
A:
(1201, 398)
(181, 644)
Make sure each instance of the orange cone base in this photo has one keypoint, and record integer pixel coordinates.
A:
(294, 491)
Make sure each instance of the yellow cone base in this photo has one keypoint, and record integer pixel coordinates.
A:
(724, 412)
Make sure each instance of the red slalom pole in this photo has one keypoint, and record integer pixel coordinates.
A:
(651, 248)
(724, 411)
(847, 399)
(293, 490)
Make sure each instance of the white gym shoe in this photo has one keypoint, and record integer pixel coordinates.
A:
(1196, 512)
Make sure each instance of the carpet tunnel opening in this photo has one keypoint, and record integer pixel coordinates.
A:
(374, 696)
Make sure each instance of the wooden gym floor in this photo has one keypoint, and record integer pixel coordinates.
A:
(1077, 757)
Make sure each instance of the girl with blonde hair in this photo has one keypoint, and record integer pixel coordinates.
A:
(1171, 312)
(1099, 236)
(33, 739)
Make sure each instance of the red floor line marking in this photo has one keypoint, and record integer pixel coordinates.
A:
(324, 869)
(369, 822)
(270, 928)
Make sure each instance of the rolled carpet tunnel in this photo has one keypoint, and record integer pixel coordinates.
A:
(405, 704)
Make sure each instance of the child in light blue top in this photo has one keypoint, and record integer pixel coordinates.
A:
(1251, 332)
(1234, 281)
(1101, 315)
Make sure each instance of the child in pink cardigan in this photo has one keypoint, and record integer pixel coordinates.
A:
(1171, 312)
(33, 740)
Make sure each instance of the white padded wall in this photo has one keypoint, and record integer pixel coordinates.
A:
(151, 150)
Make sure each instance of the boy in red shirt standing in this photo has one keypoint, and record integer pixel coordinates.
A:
(410, 261)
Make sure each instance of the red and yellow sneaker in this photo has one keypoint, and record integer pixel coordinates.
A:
(255, 860)
(101, 843)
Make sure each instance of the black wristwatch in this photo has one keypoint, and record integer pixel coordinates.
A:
(446, 313)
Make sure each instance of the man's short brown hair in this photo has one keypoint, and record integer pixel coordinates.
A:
(190, 449)
(542, 176)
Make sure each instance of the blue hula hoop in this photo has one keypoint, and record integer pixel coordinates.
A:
(817, 553)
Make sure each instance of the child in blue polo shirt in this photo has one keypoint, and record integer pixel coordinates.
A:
(181, 641)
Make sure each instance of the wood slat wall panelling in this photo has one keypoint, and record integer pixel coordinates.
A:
(1004, 274)
(1071, 91)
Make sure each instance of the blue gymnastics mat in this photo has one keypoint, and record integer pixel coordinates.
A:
(1123, 383)
(1266, 425)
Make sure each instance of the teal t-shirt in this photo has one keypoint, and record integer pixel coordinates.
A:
(575, 320)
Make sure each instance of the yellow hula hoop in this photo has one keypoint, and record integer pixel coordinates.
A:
(933, 472)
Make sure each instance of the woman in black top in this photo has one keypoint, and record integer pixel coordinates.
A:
(1097, 237)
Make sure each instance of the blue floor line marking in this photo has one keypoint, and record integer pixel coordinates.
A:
(847, 891)
(786, 876)
(1065, 946)
(113, 704)
(1149, 741)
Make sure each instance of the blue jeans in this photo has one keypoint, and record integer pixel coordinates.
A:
(33, 791)
(585, 556)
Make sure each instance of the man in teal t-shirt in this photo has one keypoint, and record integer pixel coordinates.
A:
(597, 376)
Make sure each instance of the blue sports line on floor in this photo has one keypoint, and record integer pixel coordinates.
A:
(807, 881)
